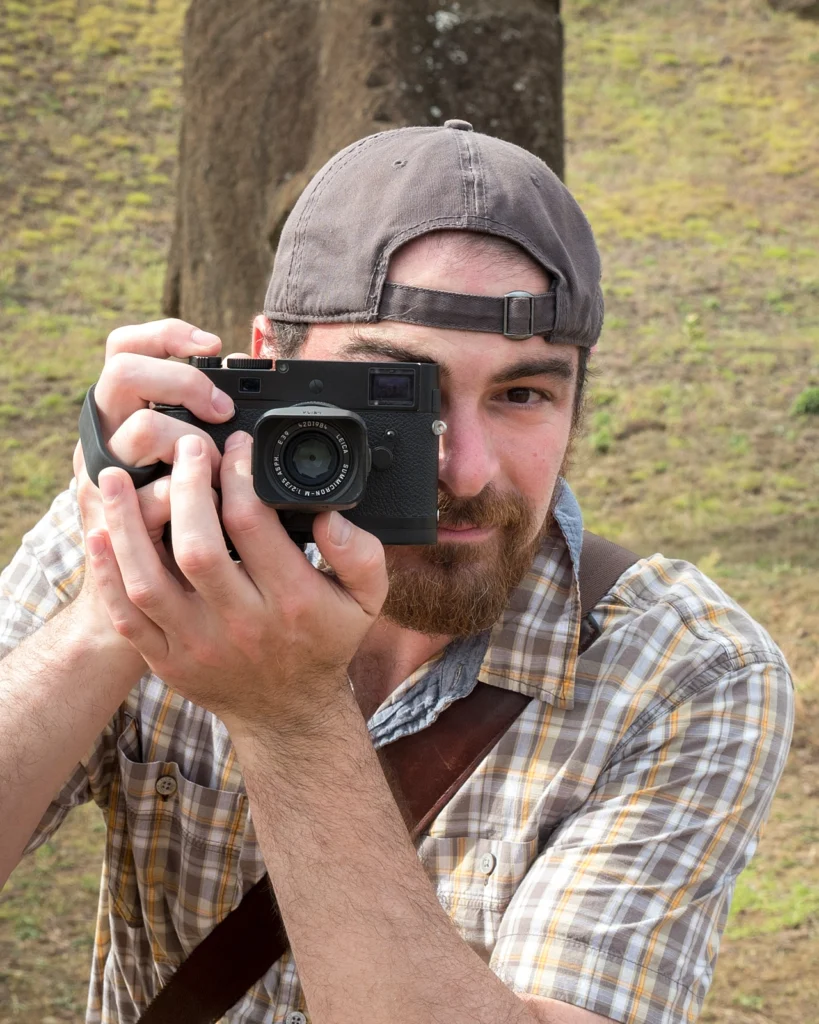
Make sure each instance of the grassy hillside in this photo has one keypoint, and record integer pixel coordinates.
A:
(694, 149)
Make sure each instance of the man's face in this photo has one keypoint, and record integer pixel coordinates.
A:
(508, 408)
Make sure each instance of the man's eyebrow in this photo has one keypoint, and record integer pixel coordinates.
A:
(380, 346)
(554, 366)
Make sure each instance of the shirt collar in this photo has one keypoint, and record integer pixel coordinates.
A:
(533, 647)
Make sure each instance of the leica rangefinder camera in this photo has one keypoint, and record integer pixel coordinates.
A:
(358, 438)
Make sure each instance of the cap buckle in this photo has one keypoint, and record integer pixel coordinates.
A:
(506, 311)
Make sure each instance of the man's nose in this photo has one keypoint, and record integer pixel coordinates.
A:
(466, 461)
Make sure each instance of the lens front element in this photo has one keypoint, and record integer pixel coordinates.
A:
(311, 459)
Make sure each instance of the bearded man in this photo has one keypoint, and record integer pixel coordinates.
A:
(229, 717)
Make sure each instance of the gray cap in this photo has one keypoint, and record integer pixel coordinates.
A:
(384, 190)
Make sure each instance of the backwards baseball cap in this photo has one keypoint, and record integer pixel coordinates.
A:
(387, 189)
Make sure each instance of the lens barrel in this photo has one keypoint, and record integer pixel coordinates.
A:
(314, 455)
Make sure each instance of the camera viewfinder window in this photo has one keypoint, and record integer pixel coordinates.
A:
(392, 389)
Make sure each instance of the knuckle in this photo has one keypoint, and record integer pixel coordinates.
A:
(204, 654)
(197, 560)
(117, 378)
(240, 519)
(171, 332)
(116, 340)
(125, 626)
(85, 496)
(372, 555)
(141, 427)
(156, 494)
(143, 594)
(249, 638)
(295, 609)
(120, 369)
(171, 326)
(88, 497)
(197, 384)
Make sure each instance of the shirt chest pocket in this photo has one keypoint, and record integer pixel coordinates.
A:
(475, 879)
(172, 852)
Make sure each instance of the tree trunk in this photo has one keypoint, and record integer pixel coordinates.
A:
(273, 88)
(803, 8)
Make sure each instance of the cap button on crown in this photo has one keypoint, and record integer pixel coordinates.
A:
(462, 126)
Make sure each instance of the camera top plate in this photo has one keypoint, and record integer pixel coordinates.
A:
(351, 384)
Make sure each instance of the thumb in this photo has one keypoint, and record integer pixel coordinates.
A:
(356, 557)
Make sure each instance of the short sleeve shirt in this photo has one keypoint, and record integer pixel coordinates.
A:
(592, 855)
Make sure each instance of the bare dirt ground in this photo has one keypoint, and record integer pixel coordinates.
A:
(694, 149)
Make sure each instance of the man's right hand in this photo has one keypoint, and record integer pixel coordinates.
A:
(138, 371)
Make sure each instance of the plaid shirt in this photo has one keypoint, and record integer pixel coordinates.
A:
(590, 858)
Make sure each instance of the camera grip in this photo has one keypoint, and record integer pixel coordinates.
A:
(98, 457)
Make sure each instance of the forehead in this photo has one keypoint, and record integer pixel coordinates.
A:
(464, 356)
(459, 261)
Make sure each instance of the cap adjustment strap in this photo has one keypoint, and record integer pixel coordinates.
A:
(515, 305)
(517, 315)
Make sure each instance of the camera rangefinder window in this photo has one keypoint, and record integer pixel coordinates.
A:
(392, 388)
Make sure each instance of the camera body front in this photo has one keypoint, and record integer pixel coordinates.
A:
(359, 438)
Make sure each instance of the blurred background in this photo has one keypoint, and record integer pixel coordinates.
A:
(149, 154)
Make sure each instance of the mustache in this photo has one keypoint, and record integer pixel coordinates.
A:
(489, 508)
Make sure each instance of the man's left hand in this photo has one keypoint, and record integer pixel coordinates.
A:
(265, 641)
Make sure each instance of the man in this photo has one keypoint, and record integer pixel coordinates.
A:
(233, 712)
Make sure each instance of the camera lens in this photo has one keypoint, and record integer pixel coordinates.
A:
(311, 454)
(311, 459)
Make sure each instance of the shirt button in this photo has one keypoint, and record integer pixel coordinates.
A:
(166, 785)
(295, 1017)
(488, 862)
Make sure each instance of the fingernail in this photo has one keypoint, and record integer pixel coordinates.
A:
(188, 447)
(95, 545)
(110, 485)
(222, 403)
(203, 338)
(240, 437)
(339, 529)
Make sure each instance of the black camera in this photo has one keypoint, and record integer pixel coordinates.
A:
(360, 438)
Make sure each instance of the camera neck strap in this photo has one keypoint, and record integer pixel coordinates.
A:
(246, 943)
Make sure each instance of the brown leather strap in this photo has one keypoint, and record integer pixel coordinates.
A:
(602, 563)
(423, 770)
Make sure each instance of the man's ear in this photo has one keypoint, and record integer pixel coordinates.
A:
(263, 343)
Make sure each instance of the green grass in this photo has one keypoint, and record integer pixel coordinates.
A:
(88, 128)
(807, 403)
